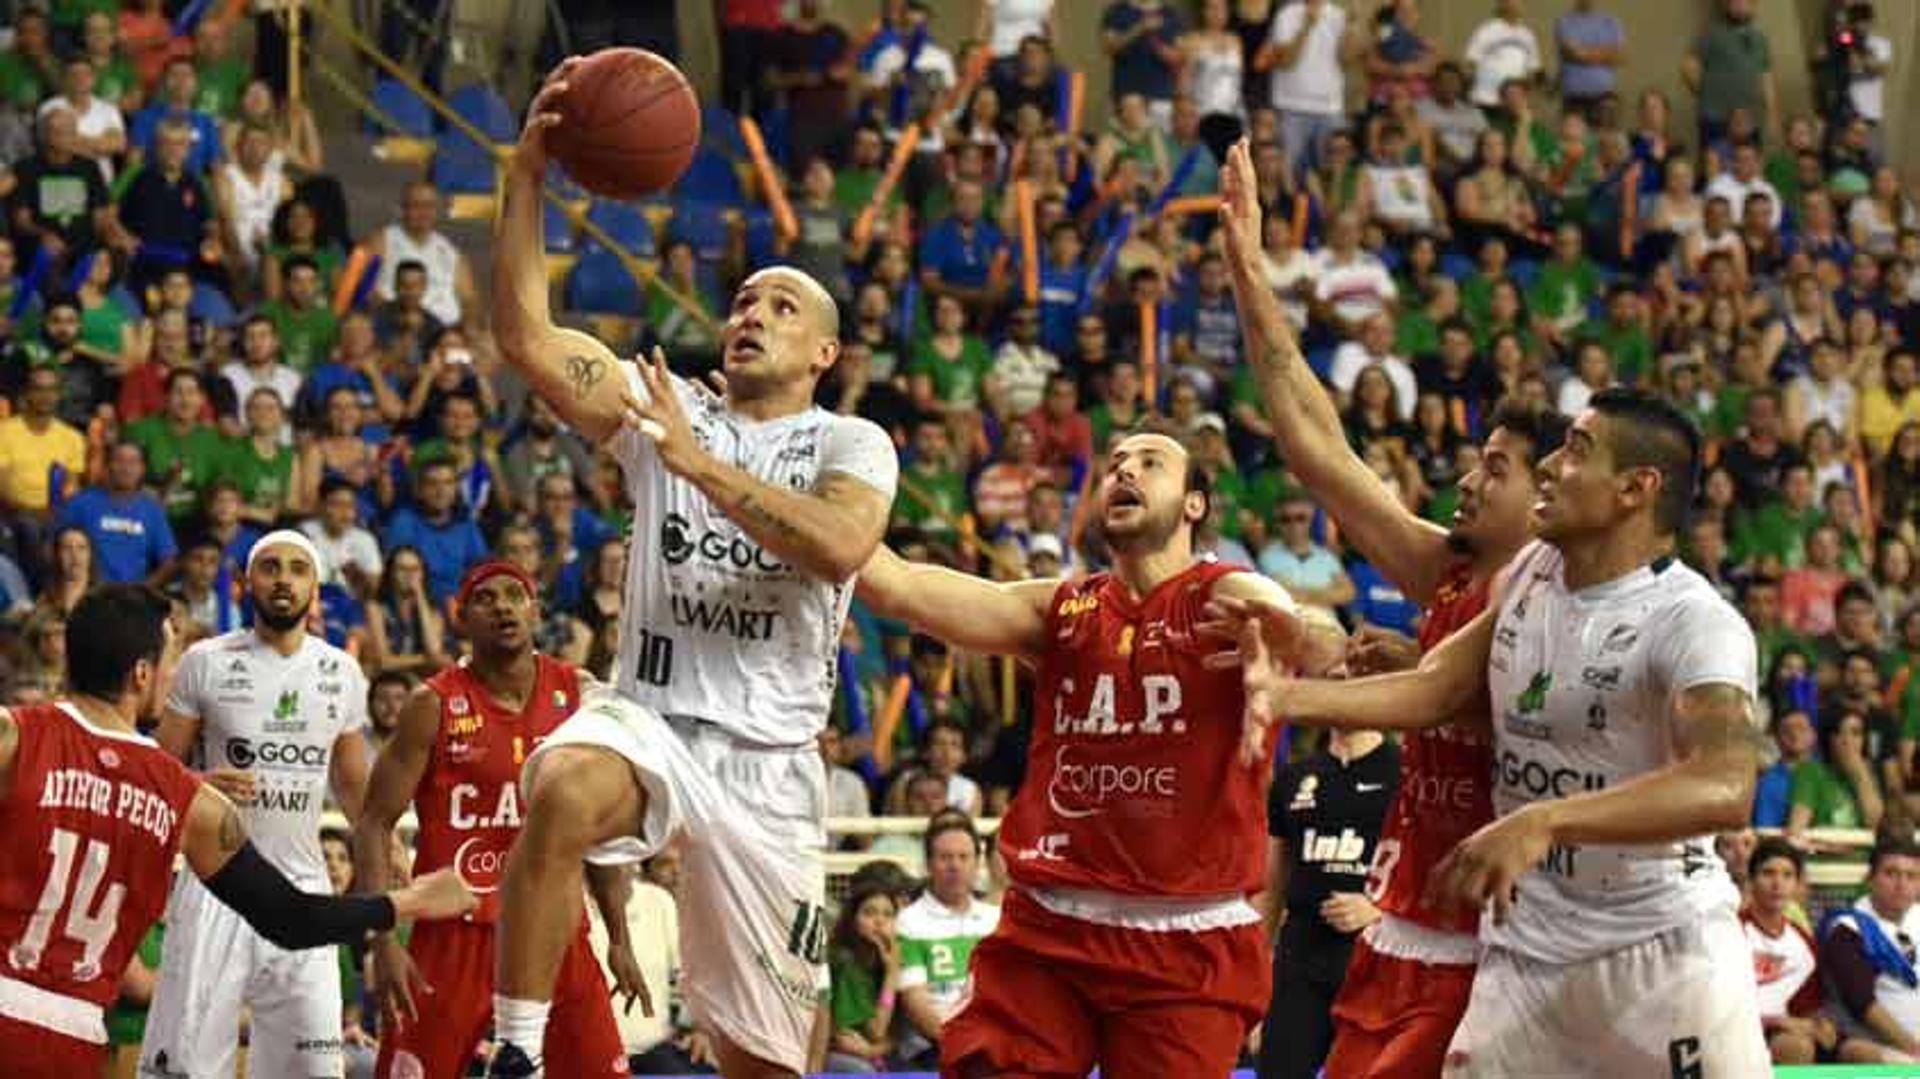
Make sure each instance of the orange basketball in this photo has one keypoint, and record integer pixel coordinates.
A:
(629, 123)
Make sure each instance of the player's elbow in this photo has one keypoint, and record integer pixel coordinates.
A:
(1730, 783)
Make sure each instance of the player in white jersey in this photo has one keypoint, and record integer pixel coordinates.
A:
(1621, 687)
(752, 515)
(273, 715)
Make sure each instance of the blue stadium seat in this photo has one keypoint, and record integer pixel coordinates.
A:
(1524, 272)
(404, 107)
(557, 226)
(721, 131)
(599, 284)
(702, 224)
(564, 185)
(460, 167)
(626, 224)
(212, 305)
(1457, 266)
(483, 107)
(710, 178)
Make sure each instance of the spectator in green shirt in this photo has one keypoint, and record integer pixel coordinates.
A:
(29, 71)
(949, 364)
(1776, 641)
(260, 462)
(933, 494)
(183, 450)
(1839, 789)
(221, 75)
(855, 183)
(1567, 283)
(1623, 334)
(127, 1019)
(113, 78)
(864, 962)
(1774, 536)
(1730, 66)
(303, 318)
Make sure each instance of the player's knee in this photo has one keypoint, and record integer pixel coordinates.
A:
(1792, 1049)
(579, 795)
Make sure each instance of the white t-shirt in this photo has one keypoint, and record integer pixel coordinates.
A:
(715, 626)
(1284, 276)
(1023, 374)
(1832, 401)
(356, 546)
(1499, 51)
(1781, 965)
(1352, 357)
(277, 717)
(1014, 20)
(278, 377)
(1357, 289)
(97, 119)
(1868, 96)
(1735, 191)
(1315, 83)
(1583, 686)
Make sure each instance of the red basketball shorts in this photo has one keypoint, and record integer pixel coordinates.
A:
(34, 1052)
(1052, 995)
(456, 959)
(1394, 1016)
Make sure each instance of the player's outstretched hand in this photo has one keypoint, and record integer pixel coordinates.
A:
(1240, 204)
(1257, 633)
(436, 896)
(1487, 865)
(661, 418)
(543, 113)
(628, 981)
(396, 981)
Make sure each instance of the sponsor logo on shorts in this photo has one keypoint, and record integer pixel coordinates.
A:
(317, 1045)
(1080, 789)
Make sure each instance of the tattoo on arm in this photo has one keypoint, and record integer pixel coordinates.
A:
(584, 373)
(765, 515)
(1718, 719)
(233, 834)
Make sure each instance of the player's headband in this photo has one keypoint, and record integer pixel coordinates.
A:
(289, 538)
(487, 571)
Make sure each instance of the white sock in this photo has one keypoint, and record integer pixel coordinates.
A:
(522, 1022)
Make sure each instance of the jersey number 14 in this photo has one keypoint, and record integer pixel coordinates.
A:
(94, 931)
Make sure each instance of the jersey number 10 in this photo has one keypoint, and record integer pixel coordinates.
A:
(93, 931)
(653, 659)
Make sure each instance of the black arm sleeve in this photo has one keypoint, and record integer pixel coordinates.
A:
(289, 917)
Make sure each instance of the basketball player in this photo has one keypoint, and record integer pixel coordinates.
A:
(1406, 986)
(1623, 741)
(1127, 940)
(755, 511)
(92, 818)
(456, 755)
(275, 715)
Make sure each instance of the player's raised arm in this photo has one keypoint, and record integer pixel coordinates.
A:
(580, 377)
(1450, 681)
(978, 615)
(1306, 425)
(217, 850)
(397, 772)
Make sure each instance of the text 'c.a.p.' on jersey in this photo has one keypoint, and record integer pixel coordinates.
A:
(715, 626)
(1584, 685)
(277, 717)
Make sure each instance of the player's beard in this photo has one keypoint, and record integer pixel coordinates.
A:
(280, 623)
(1153, 532)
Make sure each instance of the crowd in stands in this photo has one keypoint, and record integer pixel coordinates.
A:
(189, 356)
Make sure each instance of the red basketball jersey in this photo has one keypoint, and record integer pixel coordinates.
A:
(89, 830)
(1445, 776)
(1133, 782)
(468, 802)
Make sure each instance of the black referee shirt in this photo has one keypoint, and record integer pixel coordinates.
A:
(1329, 813)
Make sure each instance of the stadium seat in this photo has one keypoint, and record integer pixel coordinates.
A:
(1524, 272)
(760, 236)
(1457, 266)
(407, 110)
(210, 304)
(600, 284)
(460, 167)
(720, 130)
(710, 178)
(484, 108)
(626, 225)
(563, 185)
(558, 227)
(702, 224)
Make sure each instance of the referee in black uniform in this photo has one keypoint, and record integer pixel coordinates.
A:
(1324, 816)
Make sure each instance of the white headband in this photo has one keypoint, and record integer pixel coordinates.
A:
(292, 539)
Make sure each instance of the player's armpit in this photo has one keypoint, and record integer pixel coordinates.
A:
(1008, 619)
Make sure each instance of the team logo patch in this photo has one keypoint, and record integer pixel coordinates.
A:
(287, 705)
(1620, 638)
(109, 758)
(1304, 796)
(459, 706)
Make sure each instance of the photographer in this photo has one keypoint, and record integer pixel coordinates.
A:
(1859, 59)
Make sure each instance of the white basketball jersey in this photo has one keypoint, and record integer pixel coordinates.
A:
(277, 717)
(1583, 687)
(715, 626)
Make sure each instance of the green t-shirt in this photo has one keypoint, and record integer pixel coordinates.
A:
(327, 260)
(1818, 787)
(935, 943)
(220, 85)
(263, 481)
(945, 488)
(180, 464)
(103, 326)
(69, 14)
(853, 189)
(306, 337)
(1100, 417)
(1774, 530)
(1561, 292)
(1771, 642)
(127, 1023)
(1631, 349)
(1732, 59)
(21, 83)
(955, 381)
(855, 998)
(1730, 409)
(113, 79)
(1415, 333)
(1476, 296)
(1229, 497)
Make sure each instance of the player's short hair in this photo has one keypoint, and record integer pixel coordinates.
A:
(948, 820)
(333, 484)
(1888, 844)
(1646, 431)
(1773, 847)
(1543, 428)
(111, 629)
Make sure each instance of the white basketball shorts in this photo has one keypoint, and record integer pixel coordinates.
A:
(1681, 1005)
(752, 908)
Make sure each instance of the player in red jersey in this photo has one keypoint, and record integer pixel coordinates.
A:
(92, 816)
(1407, 983)
(456, 755)
(1127, 940)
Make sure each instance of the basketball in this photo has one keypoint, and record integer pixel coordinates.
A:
(629, 123)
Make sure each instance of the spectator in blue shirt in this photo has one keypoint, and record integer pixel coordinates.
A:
(1206, 329)
(128, 526)
(570, 533)
(1592, 46)
(1307, 570)
(1140, 36)
(177, 89)
(957, 252)
(1063, 281)
(448, 541)
(1377, 602)
(1793, 736)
